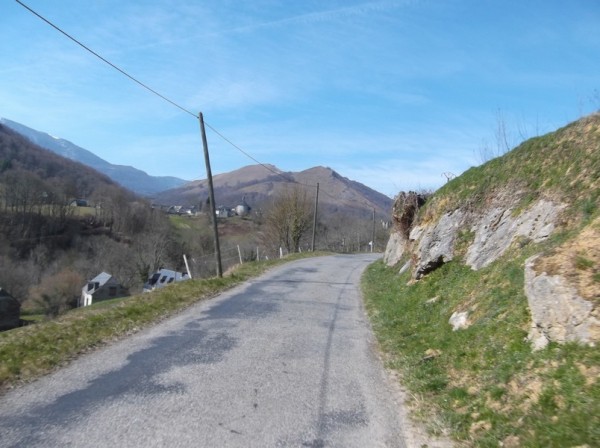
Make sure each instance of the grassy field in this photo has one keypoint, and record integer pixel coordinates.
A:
(29, 352)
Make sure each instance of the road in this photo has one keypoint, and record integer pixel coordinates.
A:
(285, 360)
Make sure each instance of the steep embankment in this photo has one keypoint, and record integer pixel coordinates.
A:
(494, 316)
(548, 186)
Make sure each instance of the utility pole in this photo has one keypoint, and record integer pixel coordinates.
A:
(312, 246)
(211, 195)
(373, 232)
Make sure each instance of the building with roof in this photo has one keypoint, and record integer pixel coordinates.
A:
(102, 287)
(164, 277)
(10, 311)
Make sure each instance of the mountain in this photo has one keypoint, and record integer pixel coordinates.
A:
(23, 158)
(259, 183)
(131, 178)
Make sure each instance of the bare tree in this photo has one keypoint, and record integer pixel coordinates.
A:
(151, 247)
(58, 293)
(288, 218)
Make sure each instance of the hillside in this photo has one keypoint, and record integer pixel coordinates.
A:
(259, 184)
(489, 306)
(129, 177)
(49, 247)
(19, 155)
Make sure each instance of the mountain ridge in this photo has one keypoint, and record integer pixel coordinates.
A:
(129, 177)
(260, 183)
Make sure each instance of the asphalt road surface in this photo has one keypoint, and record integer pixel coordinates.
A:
(285, 360)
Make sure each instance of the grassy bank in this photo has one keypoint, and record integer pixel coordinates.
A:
(483, 384)
(29, 352)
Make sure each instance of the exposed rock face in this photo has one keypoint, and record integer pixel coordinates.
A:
(435, 245)
(394, 249)
(404, 211)
(558, 312)
(497, 228)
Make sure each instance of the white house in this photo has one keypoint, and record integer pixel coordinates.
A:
(103, 286)
(164, 277)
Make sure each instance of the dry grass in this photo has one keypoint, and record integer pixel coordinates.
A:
(577, 260)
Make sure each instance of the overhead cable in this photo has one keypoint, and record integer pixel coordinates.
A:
(173, 103)
(150, 89)
(145, 86)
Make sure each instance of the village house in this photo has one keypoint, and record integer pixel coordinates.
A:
(10, 311)
(103, 286)
(79, 203)
(164, 277)
(243, 209)
(223, 212)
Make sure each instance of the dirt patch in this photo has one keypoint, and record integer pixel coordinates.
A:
(528, 388)
(590, 373)
(577, 260)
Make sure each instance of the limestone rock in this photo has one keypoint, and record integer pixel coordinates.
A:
(436, 244)
(497, 229)
(394, 249)
(459, 321)
(405, 267)
(558, 312)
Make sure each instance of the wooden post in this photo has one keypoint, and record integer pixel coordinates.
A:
(373, 233)
(211, 195)
(312, 246)
(187, 266)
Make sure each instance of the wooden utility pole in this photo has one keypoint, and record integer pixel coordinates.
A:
(312, 246)
(211, 195)
(373, 232)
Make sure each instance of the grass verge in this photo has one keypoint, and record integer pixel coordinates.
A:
(32, 351)
(483, 383)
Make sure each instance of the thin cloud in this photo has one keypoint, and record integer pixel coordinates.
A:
(325, 16)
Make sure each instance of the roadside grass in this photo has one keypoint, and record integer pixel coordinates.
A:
(34, 350)
(483, 383)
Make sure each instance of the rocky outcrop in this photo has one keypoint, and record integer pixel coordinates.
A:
(494, 228)
(404, 212)
(558, 312)
(394, 249)
(434, 244)
(497, 228)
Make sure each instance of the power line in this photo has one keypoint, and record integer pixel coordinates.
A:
(252, 158)
(145, 86)
(153, 91)
(163, 97)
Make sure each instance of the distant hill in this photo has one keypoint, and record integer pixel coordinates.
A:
(258, 184)
(131, 178)
(18, 154)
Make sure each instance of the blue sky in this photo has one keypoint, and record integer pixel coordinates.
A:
(389, 93)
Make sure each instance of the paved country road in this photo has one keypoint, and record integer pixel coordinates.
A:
(285, 360)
